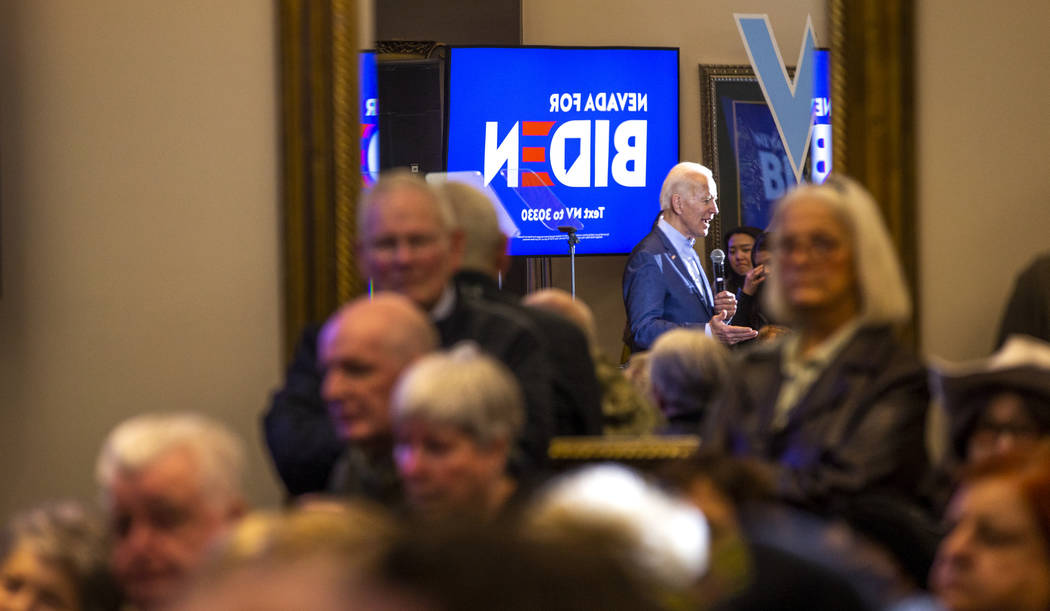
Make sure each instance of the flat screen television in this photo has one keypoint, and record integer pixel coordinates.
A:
(578, 137)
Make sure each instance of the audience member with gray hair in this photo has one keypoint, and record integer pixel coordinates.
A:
(456, 415)
(484, 243)
(839, 407)
(56, 557)
(408, 243)
(171, 485)
(576, 392)
(690, 376)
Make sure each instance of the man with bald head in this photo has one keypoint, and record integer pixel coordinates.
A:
(362, 350)
(409, 243)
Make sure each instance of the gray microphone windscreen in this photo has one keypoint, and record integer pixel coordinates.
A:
(717, 256)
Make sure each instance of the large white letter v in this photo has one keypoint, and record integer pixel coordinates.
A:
(790, 104)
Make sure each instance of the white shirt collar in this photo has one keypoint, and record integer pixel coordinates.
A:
(445, 304)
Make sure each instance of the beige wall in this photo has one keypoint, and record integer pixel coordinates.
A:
(706, 33)
(984, 148)
(138, 148)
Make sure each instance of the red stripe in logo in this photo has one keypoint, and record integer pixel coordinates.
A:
(536, 128)
(536, 179)
(533, 154)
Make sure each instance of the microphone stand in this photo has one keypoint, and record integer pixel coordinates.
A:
(573, 241)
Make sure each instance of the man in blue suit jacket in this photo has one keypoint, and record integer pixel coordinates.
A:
(664, 285)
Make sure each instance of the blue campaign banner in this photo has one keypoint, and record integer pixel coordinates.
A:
(820, 151)
(369, 112)
(567, 137)
(763, 168)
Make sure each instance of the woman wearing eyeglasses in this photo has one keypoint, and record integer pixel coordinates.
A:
(838, 406)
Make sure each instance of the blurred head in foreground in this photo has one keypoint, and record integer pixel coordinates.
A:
(171, 484)
(467, 566)
(611, 508)
(54, 557)
(312, 557)
(996, 554)
(833, 259)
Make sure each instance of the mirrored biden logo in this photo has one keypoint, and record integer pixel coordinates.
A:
(577, 151)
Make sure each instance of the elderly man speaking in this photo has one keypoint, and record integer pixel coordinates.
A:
(664, 285)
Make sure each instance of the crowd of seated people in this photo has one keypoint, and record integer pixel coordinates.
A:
(410, 436)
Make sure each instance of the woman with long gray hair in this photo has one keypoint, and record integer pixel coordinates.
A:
(838, 406)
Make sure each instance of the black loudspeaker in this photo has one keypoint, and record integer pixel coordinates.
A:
(411, 115)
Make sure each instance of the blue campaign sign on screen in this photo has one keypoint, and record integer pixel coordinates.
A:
(578, 137)
(763, 169)
(369, 113)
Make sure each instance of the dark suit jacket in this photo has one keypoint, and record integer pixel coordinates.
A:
(576, 394)
(658, 292)
(511, 337)
(301, 439)
(860, 427)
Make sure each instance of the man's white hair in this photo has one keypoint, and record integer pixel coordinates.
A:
(475, 215)
(396, 180)
(882, 291)
(689, 371)
(682, 179)
(663, 537)
(464, 388)
(138, 442)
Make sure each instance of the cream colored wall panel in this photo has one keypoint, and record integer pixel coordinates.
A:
(140, 253)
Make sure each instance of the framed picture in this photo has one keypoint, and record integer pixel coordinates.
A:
(742, 147)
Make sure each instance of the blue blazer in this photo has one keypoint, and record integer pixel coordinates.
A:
(658, 293)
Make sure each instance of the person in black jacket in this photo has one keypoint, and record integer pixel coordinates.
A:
(409, 243)
(576, 393)
(839, 406)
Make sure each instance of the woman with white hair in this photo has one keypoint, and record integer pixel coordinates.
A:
(456, 415)
(839, 405)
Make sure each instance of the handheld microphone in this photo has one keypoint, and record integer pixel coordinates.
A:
(718, 267)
